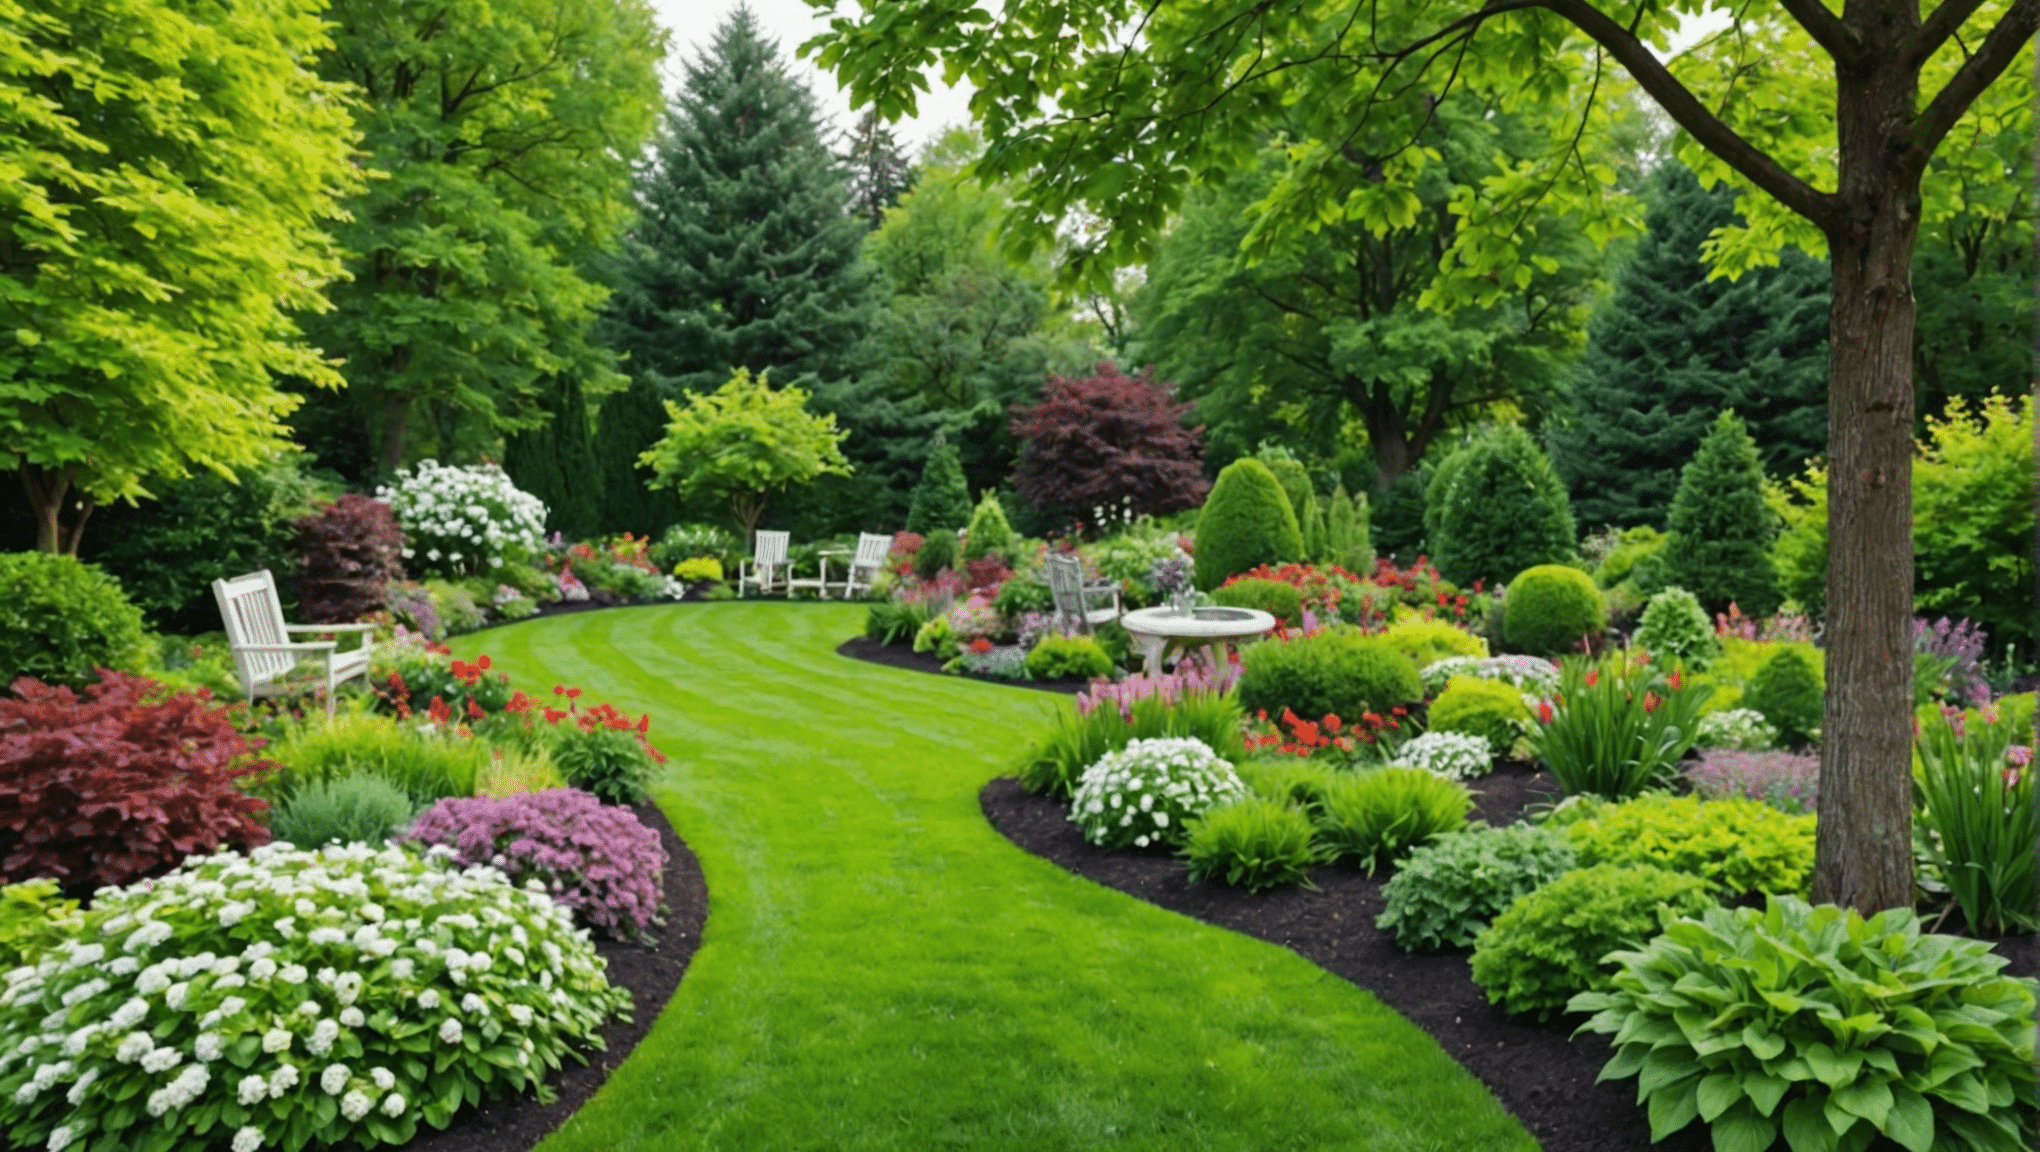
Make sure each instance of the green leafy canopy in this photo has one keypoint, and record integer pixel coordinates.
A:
(745, 442)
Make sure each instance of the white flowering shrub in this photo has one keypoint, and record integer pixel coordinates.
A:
(1453, 755)
(289, 998)
(1530, 673)
(1742, 729)
(1147, 792)
(463, 521)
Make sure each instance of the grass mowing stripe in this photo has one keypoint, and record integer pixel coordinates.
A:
(882, 971)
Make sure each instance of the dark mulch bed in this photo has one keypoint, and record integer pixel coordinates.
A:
(651, 973)
(1546, 1080)
(902, 656)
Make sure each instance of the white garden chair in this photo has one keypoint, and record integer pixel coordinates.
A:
(1073, 597)
(767, 569)
(872, 550)
(265, 655)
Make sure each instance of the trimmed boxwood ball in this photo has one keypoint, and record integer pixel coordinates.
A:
(1246, 522)
(1278, 599)
(60, 620)
(1550, 608)
(1341, 673)
(1490, 709)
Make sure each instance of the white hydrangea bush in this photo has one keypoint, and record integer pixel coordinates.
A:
(1453, 755)
(1741, 729)
(463, 521)
(286, 999)
(1148, 792)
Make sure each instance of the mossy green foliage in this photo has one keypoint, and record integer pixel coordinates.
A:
(1254, 844)
(1632, 548)
(1068, 658)
(1550, 945)
(1674, 626)
(1491, 709)
(856, 831)
(941, 501)
(990, 534)
(1348, 539)
(937, 552)
(363, 809)
(1339, 673)
(1721, 533)
(1076, 740)
(1788, 691)
(1246, 522)
(1426, 642)
(60, 620)
(1549, 609)
(34, 916)
(1737, 845)
(1501, 510)
(1277, 598)
(1445, 894)
(1373, 818)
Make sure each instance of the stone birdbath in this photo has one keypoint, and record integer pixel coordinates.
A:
(1156, 631)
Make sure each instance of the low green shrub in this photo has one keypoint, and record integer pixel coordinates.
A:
(1020, 594)
(937, 638)
(348, 810)
(1068, 658)
(1426, 642)
(1375, 817)
(1549, 609)
(608, 760)
(1448, 890)
(1674, 626)
(425, 766)
(1736, 845)
(1788, 691)
(1341, 673)
(456, 606)
(1150, 791)
(698, 570)
(34, 917)
(1291, 781)
(1631, 548)
(1551, 944)
(60, 620)
(1077, 739)
(1277, 598)
(937, 552)
(896, 621)
(1252, 843)
(1491, 709)
(1818, 1025)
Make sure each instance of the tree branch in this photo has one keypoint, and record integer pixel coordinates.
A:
(1992, 57)
(1827, 29)
(1935, 30)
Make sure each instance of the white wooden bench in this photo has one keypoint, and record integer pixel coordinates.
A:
(265, 655)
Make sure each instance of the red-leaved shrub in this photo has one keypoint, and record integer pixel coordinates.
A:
(111, 788)
(1107, 439)
(349, 552)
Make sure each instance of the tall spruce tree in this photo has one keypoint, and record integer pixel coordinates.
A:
(1721, 532)
(745, 254)
(556, 462)
(880, 172)
(941, 500)
(1671, 347)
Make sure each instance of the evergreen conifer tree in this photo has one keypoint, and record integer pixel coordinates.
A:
(1721, 532)
(556, 463)
(629, 422)
(1671, 346)
(880, 172)
(941, 500)
(1504, 511)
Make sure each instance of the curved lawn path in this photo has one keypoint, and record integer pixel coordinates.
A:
(883, 970)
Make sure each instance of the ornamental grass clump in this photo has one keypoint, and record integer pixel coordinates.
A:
(1147, 792)
(1374, 817)
(599, 860)
(1254, 843)
(1448, 890)
(1616, 726)
(1977, 823)
(1823, 1027)
(290, 998)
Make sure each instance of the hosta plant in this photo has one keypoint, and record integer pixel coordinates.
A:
(464, 521)
(1448, 890)
(292, 999)
(1823, 1027)
(1147, 792)
(1453, 755)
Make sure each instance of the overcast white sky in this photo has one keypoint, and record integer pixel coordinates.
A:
(791, 22)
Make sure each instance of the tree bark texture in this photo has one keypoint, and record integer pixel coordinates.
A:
(47, 490)
(1864, 857)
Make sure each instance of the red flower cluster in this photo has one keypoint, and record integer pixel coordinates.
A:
(1307, 738)
(1319, 586)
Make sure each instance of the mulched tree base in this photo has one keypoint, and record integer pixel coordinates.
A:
(651, 973)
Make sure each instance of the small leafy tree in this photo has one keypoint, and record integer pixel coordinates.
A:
(745, 442)
(1106, 439)
(941, 500)
(1721, 533)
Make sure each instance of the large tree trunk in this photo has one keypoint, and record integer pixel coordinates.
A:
(396, 428)
(47, 493)
(1864, 857)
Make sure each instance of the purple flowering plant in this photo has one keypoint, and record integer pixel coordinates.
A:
(598, 860)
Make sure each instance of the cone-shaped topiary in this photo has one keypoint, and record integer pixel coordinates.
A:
(1787, 690)
(1550, 609)
(1347, 543)
(941, 502)
(991, 534)
(1246, 522)
(1502, 510)
(1673, 624)
(1721, 533)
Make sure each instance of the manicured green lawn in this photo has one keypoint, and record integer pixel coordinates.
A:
(882, 970)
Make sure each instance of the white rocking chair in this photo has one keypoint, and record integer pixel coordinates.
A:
(264, 654)
(767, 569)
(1073, 597)
(872, 549)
